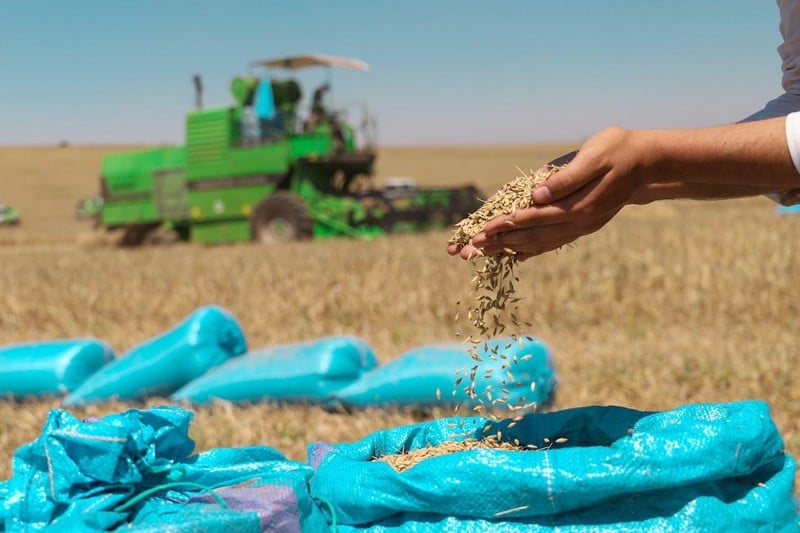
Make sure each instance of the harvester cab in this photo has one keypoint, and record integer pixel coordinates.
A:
(268, 108)
(272, 103)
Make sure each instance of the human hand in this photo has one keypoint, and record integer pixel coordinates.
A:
(578, 200)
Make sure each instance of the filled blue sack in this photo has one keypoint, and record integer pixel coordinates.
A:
(427, 376)
(207, 338)
(50, 367)
(788, 210)
(301, 372)
(704, 467)
(134, 471)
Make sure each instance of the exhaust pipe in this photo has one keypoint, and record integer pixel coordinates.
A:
(198, 91)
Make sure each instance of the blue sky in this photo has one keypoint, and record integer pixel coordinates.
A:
(443, 71)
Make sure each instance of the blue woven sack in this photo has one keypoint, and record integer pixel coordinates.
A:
(50, 367)
(135, 471)
(300, 372)
(426, 376)
(705, 467)
(207, 338)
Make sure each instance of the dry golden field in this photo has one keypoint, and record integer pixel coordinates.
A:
(669, 304)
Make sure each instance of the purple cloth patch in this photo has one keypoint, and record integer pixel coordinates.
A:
(318, 452)
(276, 505)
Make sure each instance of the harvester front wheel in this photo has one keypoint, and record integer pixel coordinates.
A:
(281, 216)
(137, 234)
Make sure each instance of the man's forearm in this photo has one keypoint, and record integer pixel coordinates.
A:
(752, 154)
(695, 191)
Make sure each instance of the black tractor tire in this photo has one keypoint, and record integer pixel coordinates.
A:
(281, 217)
(466, 200)
(136, 234)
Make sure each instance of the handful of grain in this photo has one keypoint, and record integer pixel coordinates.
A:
(494, 302)
(516, 194)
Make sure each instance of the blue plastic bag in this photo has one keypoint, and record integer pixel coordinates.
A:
(303, 372)
(134, 471)
(426, 376)
(160, 366)
(76, 469)
(50, 367)
(707, 467)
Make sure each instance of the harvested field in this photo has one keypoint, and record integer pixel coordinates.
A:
(669, 304)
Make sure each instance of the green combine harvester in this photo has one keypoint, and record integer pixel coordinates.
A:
(8, 215)
(267, 169)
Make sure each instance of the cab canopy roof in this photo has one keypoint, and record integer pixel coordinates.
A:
(312, 60)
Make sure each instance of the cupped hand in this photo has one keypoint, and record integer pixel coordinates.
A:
(578, 200)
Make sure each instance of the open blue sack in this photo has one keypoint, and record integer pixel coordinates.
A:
(50, 367)
(303, 372)
(134, 471)
(705, 467)
(426, 376)
(160, 366)
(3, 495)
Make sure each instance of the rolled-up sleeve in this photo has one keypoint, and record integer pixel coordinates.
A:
(793, 141)
(793, 137)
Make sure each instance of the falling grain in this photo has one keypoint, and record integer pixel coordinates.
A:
(493, 304)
